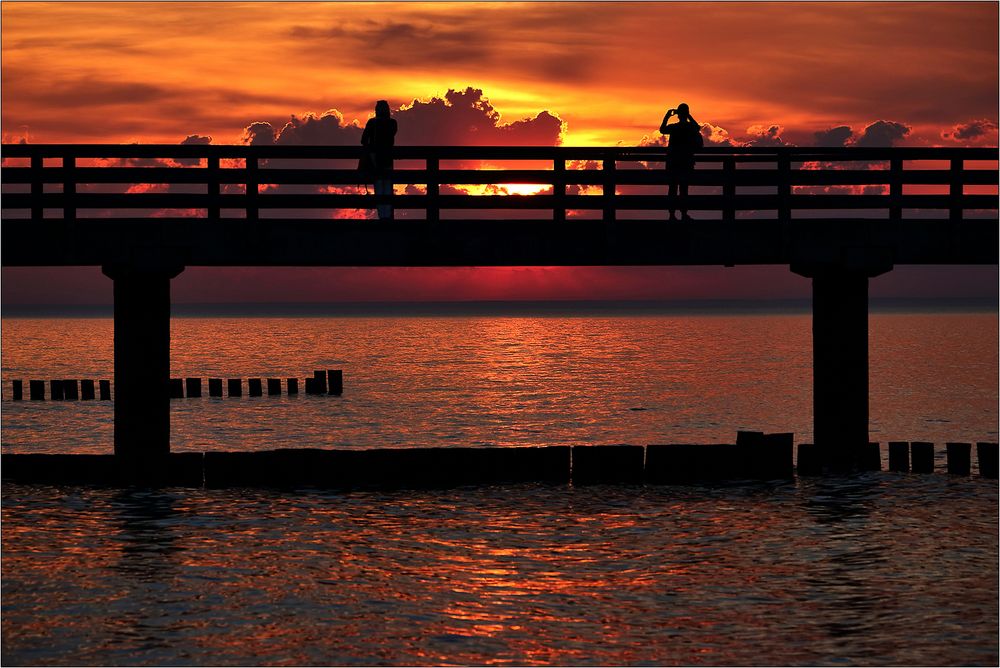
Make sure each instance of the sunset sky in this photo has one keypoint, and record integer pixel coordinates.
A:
(491, 73)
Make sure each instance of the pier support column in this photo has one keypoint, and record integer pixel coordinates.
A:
(840, 362)
(142, 367)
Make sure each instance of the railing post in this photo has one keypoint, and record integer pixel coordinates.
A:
(729, 188)
(896, 189)
(610, 182)
(214, 212)
(252, 178)
(956, 191)
(69, 187)
(784, 186)
(433, 189)
(37, 187)
(559, 189)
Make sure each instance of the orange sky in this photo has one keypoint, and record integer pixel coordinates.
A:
(158, 72)
(579, 73)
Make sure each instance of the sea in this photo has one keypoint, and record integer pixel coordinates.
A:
(869, 569)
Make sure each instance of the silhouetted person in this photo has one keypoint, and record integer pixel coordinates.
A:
(378, 138)
(685, 140)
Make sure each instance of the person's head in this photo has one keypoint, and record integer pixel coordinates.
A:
(381, 109)
(683, 111)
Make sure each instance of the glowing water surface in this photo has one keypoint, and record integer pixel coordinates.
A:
(489, 380)
(878, 569)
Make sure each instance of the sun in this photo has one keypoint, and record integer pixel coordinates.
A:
(523, 188)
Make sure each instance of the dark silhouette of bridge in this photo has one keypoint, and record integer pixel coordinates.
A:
(836, 215)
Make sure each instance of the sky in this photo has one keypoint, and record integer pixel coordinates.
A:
(574, 74)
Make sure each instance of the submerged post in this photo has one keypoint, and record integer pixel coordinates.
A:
(142, 366)
(840, 360)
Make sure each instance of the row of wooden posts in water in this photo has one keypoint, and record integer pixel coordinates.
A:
(757, 456)
(910, 457)
(323, 382)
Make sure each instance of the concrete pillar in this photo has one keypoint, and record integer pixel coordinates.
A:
(142, 366)
(840, 357)
(840, 367)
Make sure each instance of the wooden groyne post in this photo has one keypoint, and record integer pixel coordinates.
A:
(986, 453)
(922, 457)
(959, 458)
(899, 456)
(176, 388)
(335, 384)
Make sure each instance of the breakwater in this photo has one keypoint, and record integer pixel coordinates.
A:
(328, 381)
(754, 458)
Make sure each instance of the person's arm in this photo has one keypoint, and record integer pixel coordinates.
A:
(663, 125)
(366, 136)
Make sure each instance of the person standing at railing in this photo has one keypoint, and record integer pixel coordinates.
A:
(685, 140)
(378, 138)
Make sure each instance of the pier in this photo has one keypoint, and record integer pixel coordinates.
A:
(837, 217)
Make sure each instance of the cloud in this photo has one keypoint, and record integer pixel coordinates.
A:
(715, 135)
(258, 133)
(460, 118)
(971, 131)
(467, 118)
(837, 136)
(410, 43)
(765, 135)
(882, 134)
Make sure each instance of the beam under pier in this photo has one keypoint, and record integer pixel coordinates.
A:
(840, 361)
(142, 368)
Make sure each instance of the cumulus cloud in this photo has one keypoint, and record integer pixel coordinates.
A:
(971, 131)
(467, 118)
(258, 133)
(765, 135)
(459, 118)
(882, 134)
(715, 135)
(837, 136)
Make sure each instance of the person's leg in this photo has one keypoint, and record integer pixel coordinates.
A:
(672, 193)
(684, 178)
(383, 186)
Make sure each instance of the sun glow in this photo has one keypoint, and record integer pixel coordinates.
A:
(523, 188)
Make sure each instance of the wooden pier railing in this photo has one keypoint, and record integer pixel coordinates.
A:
(215, 181)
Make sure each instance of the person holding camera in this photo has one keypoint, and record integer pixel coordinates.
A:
(685, 140)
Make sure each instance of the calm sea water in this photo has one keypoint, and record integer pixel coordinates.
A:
(872, 569)
(461, 381)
